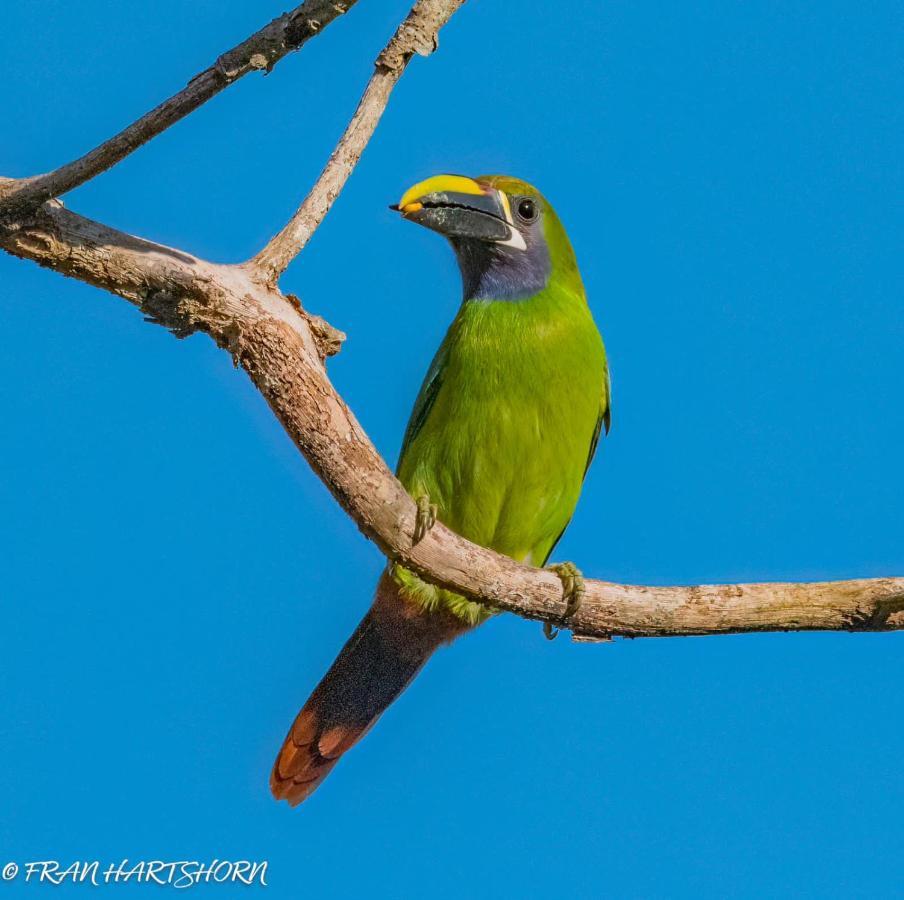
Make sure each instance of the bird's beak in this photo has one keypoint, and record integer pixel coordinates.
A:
(460, 207)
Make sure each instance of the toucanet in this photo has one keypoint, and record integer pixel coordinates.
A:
(497, 447)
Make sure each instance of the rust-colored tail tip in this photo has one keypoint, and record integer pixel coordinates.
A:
(290, 791)
(295, 792)
(285, 792)
(301, 765)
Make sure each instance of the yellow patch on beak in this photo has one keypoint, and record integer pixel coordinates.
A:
(410, 207)
(449, 183)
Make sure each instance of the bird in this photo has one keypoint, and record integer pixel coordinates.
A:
(499, 441)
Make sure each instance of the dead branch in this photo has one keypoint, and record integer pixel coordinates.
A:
(260, 52)
(417, 34)
(282, 348)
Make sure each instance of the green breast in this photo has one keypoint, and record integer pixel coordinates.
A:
(501, 433)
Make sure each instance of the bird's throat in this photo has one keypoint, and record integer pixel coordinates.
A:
(495, 272)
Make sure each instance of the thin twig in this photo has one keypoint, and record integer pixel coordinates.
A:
(417, 34)
(262, 51)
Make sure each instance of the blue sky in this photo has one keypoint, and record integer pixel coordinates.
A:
(175, 580)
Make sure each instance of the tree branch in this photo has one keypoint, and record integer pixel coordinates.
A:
(282, 348)
(272, 340)
(417, 34)
(262, 51)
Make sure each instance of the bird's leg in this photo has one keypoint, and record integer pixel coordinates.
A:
(426, 518)
(573, 593)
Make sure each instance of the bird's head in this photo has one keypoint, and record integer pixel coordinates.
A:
(508, 240)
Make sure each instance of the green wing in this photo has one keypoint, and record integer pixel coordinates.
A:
(604, 420)
(429, 391)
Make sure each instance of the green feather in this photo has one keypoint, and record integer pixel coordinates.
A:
(508, 419)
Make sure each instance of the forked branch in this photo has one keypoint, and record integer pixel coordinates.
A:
(282, 348)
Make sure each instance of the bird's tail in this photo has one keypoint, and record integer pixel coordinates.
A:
(386, 651)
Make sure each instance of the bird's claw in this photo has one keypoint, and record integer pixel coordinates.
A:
(425, 520)
(573, 593)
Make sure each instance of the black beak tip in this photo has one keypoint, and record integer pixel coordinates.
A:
(394, 207)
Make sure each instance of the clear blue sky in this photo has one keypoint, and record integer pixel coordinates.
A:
(175, 580)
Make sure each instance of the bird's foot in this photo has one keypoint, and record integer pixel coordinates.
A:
(426, 518)
(573, 593)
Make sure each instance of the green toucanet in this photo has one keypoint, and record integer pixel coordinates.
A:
(499, 441)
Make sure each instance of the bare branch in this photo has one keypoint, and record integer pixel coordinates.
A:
(271, 339)
(282, 348)
(417, 34)
(261, 51)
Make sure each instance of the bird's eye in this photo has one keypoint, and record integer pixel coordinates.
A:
(527, 209)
